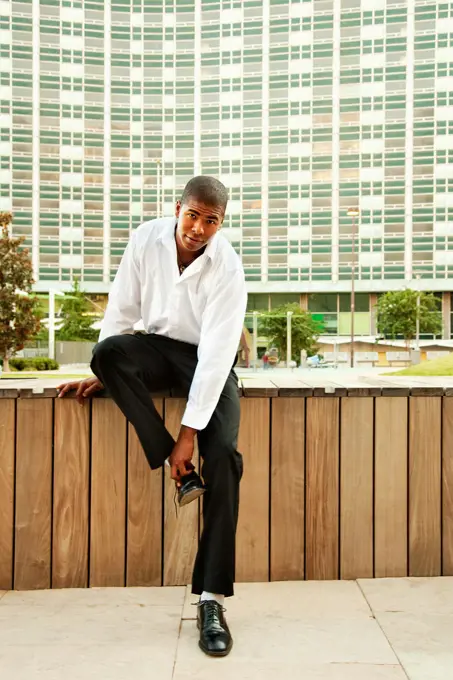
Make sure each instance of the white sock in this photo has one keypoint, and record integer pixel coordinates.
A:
(212, 596)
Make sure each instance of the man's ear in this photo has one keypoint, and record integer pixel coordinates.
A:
(177, 208)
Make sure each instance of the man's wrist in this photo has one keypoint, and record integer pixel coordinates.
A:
(187, 433)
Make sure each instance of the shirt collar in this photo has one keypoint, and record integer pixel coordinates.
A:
(167, 236)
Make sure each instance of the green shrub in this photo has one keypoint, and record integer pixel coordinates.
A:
(34, 364)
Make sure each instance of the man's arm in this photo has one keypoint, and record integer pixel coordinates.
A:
(123, 308)
(221, 329)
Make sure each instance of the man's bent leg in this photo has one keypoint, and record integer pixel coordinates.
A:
(222, 471)
(129, 366)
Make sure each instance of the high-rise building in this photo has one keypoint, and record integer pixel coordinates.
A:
(302, 108)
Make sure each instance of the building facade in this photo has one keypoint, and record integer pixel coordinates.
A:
(303, 109)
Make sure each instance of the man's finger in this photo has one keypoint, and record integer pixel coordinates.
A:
(91, 389)
(174, 473)
(63, 389)
(183, 470)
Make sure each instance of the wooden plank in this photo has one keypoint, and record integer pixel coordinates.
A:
(252, 544)
(389, 387)
(33, 494)
(259, 387)
(108, 495)
(7, 439)
(71, 494)
(9, 392)
(390, 487)
(424, 486)
(38, 392)
(417, 386)
(144, 532)
(356, 388)
(447, 487)
(356, 492)
(324, 388)
(291, 387)
(322, 488)
(180, 526)
(287, 489)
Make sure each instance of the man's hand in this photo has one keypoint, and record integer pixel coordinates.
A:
(182, 454)
(85, 388)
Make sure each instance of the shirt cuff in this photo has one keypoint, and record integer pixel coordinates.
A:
(196, 418)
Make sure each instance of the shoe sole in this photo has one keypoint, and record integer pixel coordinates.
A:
(191, 496)
(225, 653)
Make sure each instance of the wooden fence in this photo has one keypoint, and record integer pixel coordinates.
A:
(340, 482)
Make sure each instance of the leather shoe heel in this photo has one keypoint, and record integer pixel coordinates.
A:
(215, 636)
(191, 488)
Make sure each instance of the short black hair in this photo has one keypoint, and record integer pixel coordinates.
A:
(207, 190)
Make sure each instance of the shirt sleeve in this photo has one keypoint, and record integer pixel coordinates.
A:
(124, 304)
(221, 327)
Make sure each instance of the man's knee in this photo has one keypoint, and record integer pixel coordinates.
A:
(105, 350)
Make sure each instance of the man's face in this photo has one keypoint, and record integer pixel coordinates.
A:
(197, 223)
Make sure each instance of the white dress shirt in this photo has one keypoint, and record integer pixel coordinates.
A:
(205, 306)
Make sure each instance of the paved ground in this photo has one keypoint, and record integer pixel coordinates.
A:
(391, 629)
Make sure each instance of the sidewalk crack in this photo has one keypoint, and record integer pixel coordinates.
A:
(382, 630)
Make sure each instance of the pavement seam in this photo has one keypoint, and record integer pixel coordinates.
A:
(3, 595)
(382, 630)
(181, 621)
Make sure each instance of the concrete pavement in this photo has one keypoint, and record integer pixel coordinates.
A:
(388, 629)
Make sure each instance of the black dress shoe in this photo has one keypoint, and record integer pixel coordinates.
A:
(191, 487)
(215, 637)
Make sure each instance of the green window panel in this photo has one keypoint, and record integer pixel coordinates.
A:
(426, 13)
(323, 22)
(445, 69)
(395, 73)
(444, 40)
(350, 132)
(423, 157)
(350, 76)
(393, 102)
(425, 42)
(351, 19)
(395, 16)
(397, 44)
(422, 186)
(424, 71)
(424, 100)
(444, 127)
(349, 105)
(395, 159)
(395, 131)
(321, 50)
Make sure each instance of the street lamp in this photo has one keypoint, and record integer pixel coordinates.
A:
(353, 212)
(417, 319)
(52, 294)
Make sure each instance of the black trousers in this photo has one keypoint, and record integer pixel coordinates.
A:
(130, 367)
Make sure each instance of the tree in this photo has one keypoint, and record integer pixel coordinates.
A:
(19, 318)
(397, 314)
(304, 330)
(74, 313)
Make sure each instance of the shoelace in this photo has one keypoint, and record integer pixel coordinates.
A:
(212, 613)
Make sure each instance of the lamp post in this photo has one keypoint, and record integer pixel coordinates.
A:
(353, 212)
(417, 318)
(52, 294)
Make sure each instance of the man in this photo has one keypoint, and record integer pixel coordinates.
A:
(186, 283)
